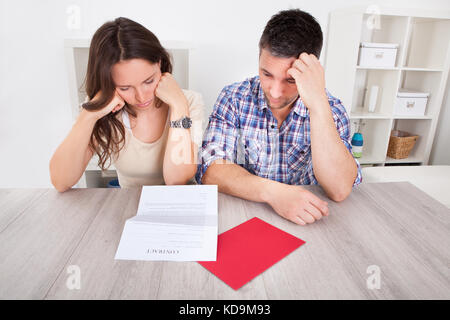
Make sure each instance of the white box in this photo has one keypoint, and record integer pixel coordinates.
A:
(377, 54)
(410, 103)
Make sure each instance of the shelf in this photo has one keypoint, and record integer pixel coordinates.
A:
(412, 117)
(428, 43)
(387, 82)
(377, 68)
(421, 69)
(385, 29)
(422, 65)
(360, 113)
(373, 115)
(93, 165)
(370, 159)
(99, 179)
(400, 68)
(429, 82)
(416, 159)
(375, 134)
(421, 128)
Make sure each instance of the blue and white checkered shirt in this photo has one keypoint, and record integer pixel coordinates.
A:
(243, 130)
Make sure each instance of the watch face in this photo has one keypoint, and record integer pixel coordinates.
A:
(186, 122)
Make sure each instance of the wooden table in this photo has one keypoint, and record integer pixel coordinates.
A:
(393, 226)
(430, 179)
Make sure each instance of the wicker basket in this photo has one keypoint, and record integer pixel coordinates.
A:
(400, 144)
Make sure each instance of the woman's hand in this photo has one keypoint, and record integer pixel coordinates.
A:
(114, 105)
(170, 92)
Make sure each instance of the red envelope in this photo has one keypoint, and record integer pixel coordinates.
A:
(249, 249)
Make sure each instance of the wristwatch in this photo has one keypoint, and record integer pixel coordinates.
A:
(184, 122)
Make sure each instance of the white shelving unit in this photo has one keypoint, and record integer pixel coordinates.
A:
(422, 65)
(77, 53)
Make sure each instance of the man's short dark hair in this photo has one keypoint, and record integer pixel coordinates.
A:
(291, 32)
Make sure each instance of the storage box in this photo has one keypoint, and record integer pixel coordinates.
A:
(410, 103)
(401, 144)
(377, 54)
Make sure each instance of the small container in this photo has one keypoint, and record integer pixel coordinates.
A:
(400, 144)
(410, 103)
(357, 145)
(114, 183)
(377, 54)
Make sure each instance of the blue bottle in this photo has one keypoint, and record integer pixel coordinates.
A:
(357, 144)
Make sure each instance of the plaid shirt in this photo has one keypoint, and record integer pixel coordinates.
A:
(243, 130)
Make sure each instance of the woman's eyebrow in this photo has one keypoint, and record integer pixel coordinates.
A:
(127, 85)
(150, 77)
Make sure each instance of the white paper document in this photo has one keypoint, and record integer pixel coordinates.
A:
(173, 223)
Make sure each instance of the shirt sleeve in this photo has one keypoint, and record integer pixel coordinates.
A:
(342, 123)
(221, 135)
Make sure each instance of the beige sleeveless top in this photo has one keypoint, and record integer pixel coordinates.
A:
(140, 163)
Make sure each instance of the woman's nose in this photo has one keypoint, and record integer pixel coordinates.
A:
(139, 96)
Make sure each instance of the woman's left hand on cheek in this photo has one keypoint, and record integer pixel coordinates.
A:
(310, 79)
(168, 90)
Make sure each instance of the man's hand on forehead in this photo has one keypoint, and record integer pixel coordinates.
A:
(310, 80)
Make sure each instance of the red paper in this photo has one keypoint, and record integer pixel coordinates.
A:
(249, 249)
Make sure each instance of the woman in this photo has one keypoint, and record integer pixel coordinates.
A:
(137, 117)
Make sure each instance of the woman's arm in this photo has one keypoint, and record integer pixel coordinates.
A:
(179, 158)
(180, 154)
(72, 156)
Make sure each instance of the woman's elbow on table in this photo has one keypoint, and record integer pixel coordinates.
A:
(60, 187)
(184, 178)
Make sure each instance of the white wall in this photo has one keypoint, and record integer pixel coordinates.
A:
(440, 153)
(34, 97)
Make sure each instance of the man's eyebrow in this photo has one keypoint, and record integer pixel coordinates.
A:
(264, 70)
(287, 79)
(142, 81)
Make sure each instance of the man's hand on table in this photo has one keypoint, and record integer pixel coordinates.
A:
(296, 204)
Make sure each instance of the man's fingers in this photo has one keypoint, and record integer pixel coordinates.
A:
(306, 58)
(320, 205)
(305, 216)
(300, 65)
(315, 212)
(294, 73)
(299, 220)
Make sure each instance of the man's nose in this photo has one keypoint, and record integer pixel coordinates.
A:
(276, 91)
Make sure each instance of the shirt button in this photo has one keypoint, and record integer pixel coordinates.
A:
(272, 126)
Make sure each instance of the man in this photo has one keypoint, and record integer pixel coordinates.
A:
(270, 134)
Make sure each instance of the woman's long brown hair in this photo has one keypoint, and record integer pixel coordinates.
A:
(121, 39)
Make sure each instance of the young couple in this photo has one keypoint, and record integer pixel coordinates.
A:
(266, 136)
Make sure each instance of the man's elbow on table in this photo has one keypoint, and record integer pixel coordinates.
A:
(340, 194)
